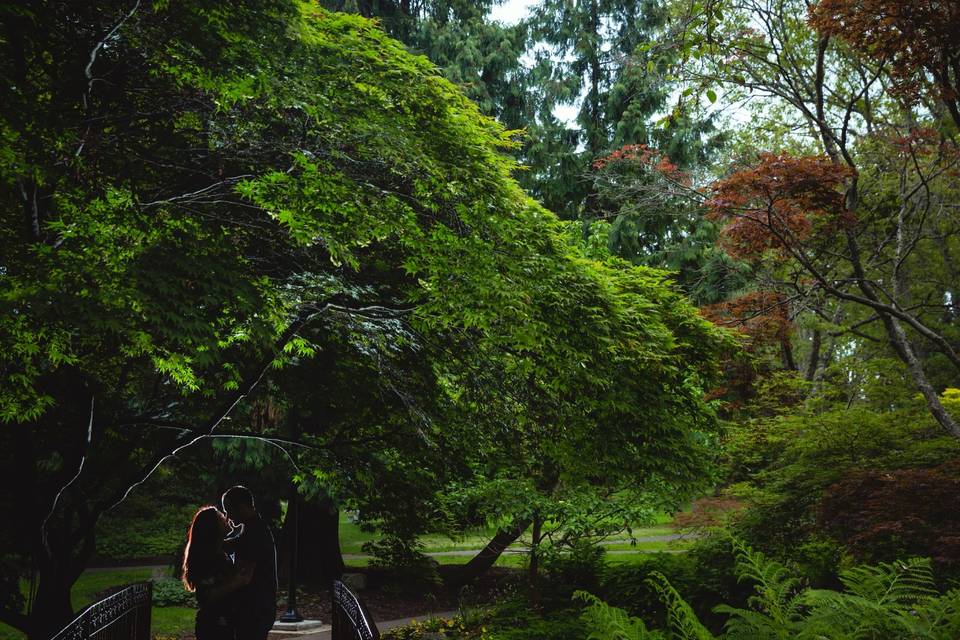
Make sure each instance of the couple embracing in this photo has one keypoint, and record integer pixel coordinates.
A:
(232, 570)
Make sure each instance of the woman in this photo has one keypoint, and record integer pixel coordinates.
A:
(208, 571)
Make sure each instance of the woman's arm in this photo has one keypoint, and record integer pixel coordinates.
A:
(220, 590)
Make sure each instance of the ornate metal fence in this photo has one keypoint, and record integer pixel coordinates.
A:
(125, 615)
(351, 621)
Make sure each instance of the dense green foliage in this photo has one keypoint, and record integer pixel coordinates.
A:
(230, 207)
(169, 592)
(781, 466)
(897, 600)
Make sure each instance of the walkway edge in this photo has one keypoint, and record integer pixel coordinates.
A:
(324, 634)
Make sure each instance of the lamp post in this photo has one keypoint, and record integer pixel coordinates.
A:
(293, 514)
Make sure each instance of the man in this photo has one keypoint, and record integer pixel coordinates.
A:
(254, 551)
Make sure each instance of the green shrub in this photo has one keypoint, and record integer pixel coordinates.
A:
(787, 463)
(168, 592)
(705, 575)
(819, 561)
(406, 562)
(882, 515)
(515, 620)
(626, 586)
(511, 619)
(144, 531)
(610, 623)
(432, 627)
(560, 625)
(578, 566)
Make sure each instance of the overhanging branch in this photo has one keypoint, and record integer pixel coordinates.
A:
(251, 381)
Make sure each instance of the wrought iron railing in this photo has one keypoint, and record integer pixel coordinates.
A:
(125, 615)
(351, 621)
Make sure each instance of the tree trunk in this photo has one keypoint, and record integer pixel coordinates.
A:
(905, 350)
(814, 360)
(51, 611)
(320, 555)
(487, 556)
(786, 354)
(59, 543)
(533, 573)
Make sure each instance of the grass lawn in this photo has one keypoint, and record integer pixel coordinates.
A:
(632, 558)
(648, 547)
(352, 538)
(644, 532)
(92, 582)
(505, 560)
(168, 622)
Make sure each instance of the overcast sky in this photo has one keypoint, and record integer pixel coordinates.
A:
(511, 11)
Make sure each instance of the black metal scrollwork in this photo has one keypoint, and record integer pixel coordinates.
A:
(124, 615)
(350, 620)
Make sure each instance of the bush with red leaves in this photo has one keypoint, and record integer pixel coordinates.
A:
(908, 512)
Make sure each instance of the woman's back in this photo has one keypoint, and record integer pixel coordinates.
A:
(217, 609)
(208, 571)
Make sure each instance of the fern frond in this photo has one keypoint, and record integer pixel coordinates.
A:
(605, 622)
(880, 614)
(776, 590)
(682, 622)
(835, 614)
(745, 624)
(901, 584)
(940, 617)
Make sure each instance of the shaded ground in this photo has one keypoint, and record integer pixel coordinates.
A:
(388, 600)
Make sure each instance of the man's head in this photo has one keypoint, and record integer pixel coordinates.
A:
(238, 504)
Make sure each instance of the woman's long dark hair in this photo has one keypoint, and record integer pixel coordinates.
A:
(203, 541)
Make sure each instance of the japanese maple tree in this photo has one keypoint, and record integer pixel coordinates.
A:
(920, 40)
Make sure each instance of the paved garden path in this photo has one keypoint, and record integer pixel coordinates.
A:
(324, 632)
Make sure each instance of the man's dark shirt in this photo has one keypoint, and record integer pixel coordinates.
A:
(258, 600)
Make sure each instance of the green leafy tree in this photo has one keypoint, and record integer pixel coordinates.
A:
(480, 56)
(196, 210)
(656, 219)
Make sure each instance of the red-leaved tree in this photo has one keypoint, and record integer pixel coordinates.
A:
(782, 202)
(920, 39)
(800, 214)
